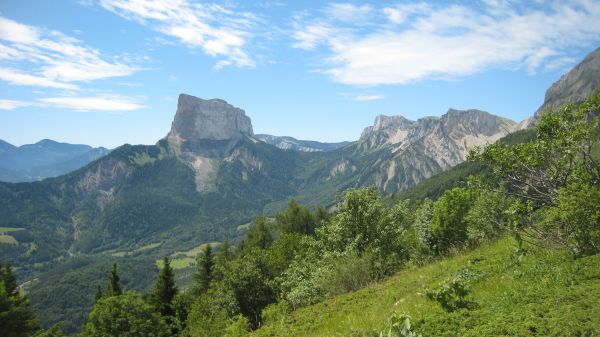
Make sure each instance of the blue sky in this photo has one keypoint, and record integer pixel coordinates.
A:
(108, 72)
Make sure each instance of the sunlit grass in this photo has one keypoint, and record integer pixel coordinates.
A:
(548, 293)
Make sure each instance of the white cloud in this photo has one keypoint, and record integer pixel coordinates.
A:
(448, 41)
(218, 31)
(348, 12)
(312, 35)
(108, 103)
(51, 59)
(364, 98)
(17, 78)
(7, 104)
(399, 13)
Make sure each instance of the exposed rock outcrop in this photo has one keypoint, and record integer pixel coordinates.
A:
(419, 149)
(574, 86)
(204, 132)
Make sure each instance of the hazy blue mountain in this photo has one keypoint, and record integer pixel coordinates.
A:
(290, 143)
(46, 158)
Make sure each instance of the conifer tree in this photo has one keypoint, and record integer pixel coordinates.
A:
(98, 294)
(10, 281)
(16, 316)
(224, 254)
(205, 270)
(164, 292)
(114, 287)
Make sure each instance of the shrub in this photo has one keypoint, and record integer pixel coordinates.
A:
(451, 293)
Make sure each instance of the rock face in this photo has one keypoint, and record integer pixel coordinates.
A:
(574, 86)
(419, 149)
(204, 132)
(290, 143)
(214, 119)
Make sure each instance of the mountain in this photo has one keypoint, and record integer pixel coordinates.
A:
(574, 86)
(46, 158)
(396, 153)
(211, 173)
(290, 143)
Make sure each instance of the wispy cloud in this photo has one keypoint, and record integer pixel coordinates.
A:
(107, 103)
(364, 98)
(8, 104)
(219, 31)
(43, 58)
(310, 36)
(348, 12)
(17, 78)
(415, 41)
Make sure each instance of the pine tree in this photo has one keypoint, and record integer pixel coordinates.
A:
(224, 254)
(258, 236)
(222, 259)
(114, 287)
(16, 316)
(205, 270)
(10, 281)
(98, 294)
(164, 292)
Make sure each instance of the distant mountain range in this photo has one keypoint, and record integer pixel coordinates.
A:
(44, 159)
(290, 143)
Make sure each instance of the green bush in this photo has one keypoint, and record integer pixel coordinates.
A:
(450, 294)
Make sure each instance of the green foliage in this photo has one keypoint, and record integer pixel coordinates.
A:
(542, 172)
(165, 290)
(16, 317)
(356, 225)
(66, 293)
(547, 294)
(114, 286)
(575, 220)
(276, 313)
(204, 275)
(400, 326)
(258, 236)
(207, 317)
(239, 327)
(449, 224)
(53, 331)
(297, 219)
(125, 315)
(487, 217)
(249, 282)
(346, 272)
(451, 293)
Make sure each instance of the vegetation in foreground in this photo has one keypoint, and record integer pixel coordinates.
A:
(531, 292)
(545, 192)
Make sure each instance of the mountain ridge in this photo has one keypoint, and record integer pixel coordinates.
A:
(44, 159)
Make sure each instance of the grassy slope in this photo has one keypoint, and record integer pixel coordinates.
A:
(548, 294)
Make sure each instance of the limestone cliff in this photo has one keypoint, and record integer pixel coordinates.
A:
(204, 132)
(418, 149)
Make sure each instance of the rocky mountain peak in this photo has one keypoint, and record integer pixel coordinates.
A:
(213, 119)
(386, 128)
(475, 122)
(205, 132)
(574, 86)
